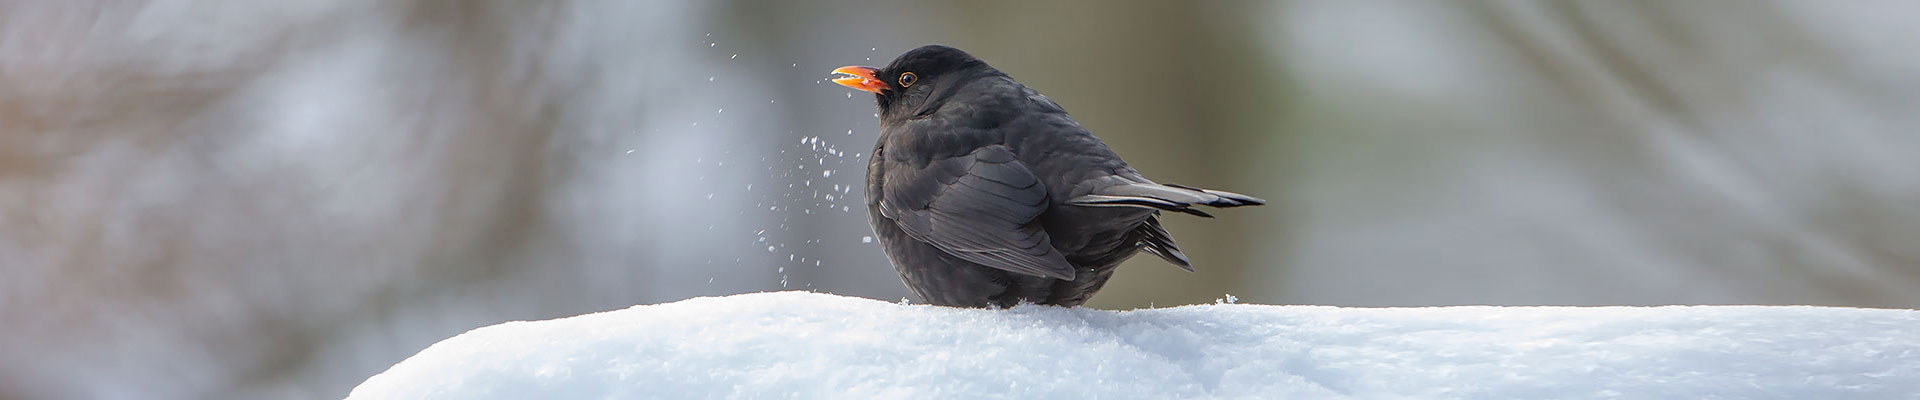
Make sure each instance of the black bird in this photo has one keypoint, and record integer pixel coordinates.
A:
(984, 193)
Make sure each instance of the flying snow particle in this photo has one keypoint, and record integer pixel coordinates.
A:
(866, 239)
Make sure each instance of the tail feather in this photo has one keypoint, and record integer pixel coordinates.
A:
(1155, 240)
(1168, 197)
(1238, 199)
(1098, 200)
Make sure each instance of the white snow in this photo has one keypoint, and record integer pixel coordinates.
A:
(809, 345)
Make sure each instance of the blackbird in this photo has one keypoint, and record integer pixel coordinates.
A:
(985, 193)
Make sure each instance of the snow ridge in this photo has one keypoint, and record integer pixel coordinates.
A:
(812, 345)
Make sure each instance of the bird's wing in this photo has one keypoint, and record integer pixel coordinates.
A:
(982, 207)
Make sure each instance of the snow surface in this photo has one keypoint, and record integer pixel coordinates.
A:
(810, 345)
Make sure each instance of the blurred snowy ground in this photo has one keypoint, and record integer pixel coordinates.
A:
(817, 346)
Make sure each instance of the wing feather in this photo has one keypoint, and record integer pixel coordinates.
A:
(983, 207)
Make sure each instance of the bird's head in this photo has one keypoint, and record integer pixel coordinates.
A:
(911, 81)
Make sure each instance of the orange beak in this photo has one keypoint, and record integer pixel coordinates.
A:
(861, 78)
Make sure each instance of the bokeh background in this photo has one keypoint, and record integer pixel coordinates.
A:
(214, 199)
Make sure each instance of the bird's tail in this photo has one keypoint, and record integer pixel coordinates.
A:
(1155, 239)
(1165, 197)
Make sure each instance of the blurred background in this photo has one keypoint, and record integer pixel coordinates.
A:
(211, 199)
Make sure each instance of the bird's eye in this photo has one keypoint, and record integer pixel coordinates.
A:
(907, 79)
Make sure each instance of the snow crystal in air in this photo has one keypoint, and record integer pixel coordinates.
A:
(866, 239)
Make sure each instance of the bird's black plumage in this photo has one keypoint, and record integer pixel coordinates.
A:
(985, 193)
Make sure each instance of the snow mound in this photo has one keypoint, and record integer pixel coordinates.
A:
(809, 345)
